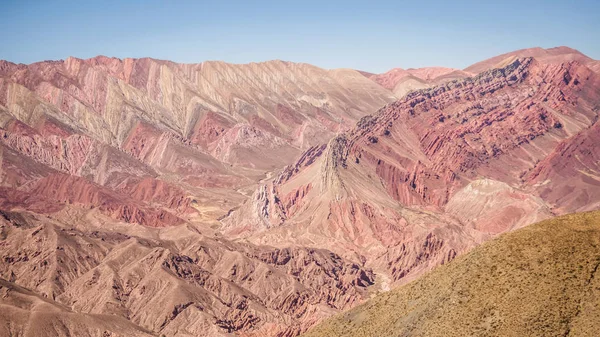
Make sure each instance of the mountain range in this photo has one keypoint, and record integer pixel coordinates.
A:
(146, 197)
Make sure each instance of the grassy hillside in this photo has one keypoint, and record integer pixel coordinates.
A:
(542, 280)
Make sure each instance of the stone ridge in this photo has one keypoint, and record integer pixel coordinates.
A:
(464, 125)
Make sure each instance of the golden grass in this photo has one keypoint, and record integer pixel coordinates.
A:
(542, 280)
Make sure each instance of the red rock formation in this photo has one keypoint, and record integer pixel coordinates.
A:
(196, 154)
(210, 128)
(569, 178)
(441, 170)
(464, 127)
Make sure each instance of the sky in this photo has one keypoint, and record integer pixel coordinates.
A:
(367, 35)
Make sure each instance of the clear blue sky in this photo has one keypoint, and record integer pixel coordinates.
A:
(368, 35)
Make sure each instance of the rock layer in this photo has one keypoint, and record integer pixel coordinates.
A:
(113, 174)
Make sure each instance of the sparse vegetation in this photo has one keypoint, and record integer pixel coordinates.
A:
(538, 281)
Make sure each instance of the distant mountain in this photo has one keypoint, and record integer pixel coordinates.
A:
(541, 280)
(401, 81)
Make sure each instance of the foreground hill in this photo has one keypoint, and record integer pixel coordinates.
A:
(25, 313)
(543, 280)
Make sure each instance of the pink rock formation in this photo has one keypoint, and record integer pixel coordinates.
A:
(441, 170)
(149, 197)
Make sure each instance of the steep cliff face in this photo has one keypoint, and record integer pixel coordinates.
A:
(443, 169)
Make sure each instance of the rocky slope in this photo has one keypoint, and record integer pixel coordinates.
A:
(173, 281)
(550, 55)
(538, 281)
(174, 141)
(441, 170)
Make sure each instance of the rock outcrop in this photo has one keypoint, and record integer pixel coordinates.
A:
(402, 81)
